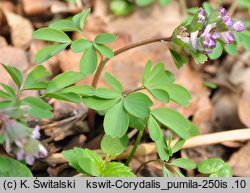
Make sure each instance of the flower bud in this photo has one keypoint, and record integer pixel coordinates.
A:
(202, 16)
(209, 41)
(222, 12)
(227, 37)
(228, 21)
(239, 26)
(36, 133)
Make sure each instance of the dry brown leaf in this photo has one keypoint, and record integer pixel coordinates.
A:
(240, 73)
(225, 114)
(240, 161)
(32, 7)
(244, 108)
(21, 29)
(203, 115)
(14, 57)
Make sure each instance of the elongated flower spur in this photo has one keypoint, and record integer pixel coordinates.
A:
(22, 141)
(205, 30)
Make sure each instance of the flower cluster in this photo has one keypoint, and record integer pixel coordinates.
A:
(22, 141)
(205, 37)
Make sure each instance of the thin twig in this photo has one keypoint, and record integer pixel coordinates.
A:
(149, 148)
(124, 49)
(64, 121)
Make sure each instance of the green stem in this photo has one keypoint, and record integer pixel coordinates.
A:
(145, 163)
(138, 140)
(134, 90)
(124, 49)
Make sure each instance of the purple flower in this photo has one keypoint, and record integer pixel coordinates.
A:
(216, 35)
(194, 36)
(20, 155)
(228, 21)
(29, 159)
(202, 15)
(36, 133)
(209, 42)
(222, 12)
(227, 37)
(239, 26)
(22, 142)
(208, 28)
